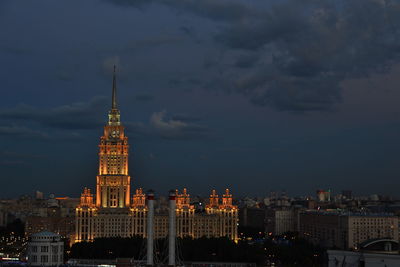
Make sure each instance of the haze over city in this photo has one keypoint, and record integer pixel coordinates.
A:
(252, 95)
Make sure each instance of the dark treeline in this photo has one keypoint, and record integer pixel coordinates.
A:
(284, 250)
(16, 228)
(109, 248)
(253, 232)
(12, 237)
(188, 249)
(290, 250)
(220, 249)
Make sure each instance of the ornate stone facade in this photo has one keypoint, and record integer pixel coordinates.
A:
(113, 213)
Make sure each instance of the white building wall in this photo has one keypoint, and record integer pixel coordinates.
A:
(45, 249)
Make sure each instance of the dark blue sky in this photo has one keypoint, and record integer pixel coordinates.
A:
(248, 94)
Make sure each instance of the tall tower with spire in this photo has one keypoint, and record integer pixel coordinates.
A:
(113, 213)
(113, 181)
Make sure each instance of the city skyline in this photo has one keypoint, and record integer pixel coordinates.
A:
(207, 103)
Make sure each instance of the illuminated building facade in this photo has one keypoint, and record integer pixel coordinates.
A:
(226, 215)
(111, 212)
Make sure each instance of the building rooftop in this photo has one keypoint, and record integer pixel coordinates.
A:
(348, 213)
(45, 234)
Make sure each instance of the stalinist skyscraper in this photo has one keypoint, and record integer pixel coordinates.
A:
(113, 212)
(113, 181)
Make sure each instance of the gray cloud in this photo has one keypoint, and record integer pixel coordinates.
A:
(172, 128)
(12, 163)
(247, 60)
(137, 129)
(20, 131)
(296, 53)
(16, 50)
(153, 42)
(217, 10)
(188, 30)
(310, 47)
(164, 126)
(76, 116)
(144, 97)
(18, 155)
(85, 116)
(185, 118)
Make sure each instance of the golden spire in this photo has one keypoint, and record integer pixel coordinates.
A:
(113, 115)
(114, 91)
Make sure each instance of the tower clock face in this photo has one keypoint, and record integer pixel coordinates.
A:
(115, 133)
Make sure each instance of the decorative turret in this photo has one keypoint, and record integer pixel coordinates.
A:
(214, 201)
(86, 198)
(139, 199)
(226, 199)
(183, 200)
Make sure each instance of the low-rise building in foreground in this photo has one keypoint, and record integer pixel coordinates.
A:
(45, 249)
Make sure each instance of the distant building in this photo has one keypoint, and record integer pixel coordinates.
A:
(111, 212)
(346, 230)
(347, 194)
(308, 204)
(277, 199)
(38, 195)
(26, 207)
(253, 217)
(54, 216)
(64, 226)
(45, 249)
(3, 217)
(324, 196)
(279, 221)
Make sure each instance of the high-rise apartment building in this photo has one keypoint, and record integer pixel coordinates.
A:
(347, 230)
(280, 220)
(112, 212)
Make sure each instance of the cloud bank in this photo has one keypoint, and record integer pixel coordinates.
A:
(293, 55)
(80, 116)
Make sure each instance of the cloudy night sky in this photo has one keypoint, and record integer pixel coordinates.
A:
(254, 95)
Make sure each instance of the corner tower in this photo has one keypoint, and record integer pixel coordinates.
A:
(113, 181)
